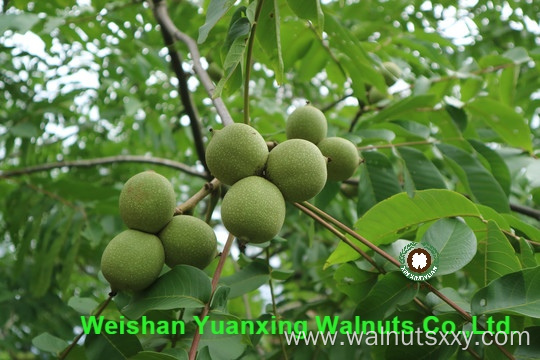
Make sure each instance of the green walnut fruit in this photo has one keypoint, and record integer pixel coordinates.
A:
(235, 152)
(147, 202)
(391, 72)
(253, 210)
(342, 157)
(298, 168)
(308, 123)
(374, 95)
(132, 260)
(188, 240)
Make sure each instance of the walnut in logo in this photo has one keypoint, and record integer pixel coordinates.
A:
(419, 261)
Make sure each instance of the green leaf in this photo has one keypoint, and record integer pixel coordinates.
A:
(111, 346)
(454, 241)
(219, 298)
(507, 85)
(353, 58)
(499, 169)
(529, 350)
(521, 226)
(83, 306)
(182, 287)
(310, 10)
(224, 345)
(514, 293)
(353, 282)
(216, 9)
(391, 290)
(281, 274)
(458, 116)
(507, 123)
(248, 279)
(481, 183)
(49, 343)
(21, 22)
(268, 35)
(177, 353)
(384, 222)
(526, 254)
(423, 173)
(377, 180)
(496, 255)
(152, 355)
(401, 108)
(439, 306)
(24, 130)
(518, 55)
(235, 45)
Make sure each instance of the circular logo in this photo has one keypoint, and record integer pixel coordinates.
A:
(419, 261)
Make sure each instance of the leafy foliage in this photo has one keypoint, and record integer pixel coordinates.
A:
(449, 158)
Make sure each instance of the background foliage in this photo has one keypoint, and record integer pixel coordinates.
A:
(92, 79)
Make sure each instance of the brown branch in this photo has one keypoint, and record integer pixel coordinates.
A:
(353, 233)
(387, 256)
(185, 96)
(215, 279)
(335, 102)
(195, 199)
(342, 237)
(103, 161)
(525, 210)
(162, 16)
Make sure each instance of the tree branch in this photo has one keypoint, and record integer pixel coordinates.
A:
(162, 16)
(525, 210)
(195, 199)
(185, 97)
(102, 161)
(388, 257)
(342, 237)
(215, 279)
(97, 314)
(248, 60)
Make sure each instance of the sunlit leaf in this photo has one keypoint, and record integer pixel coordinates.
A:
(383, 223)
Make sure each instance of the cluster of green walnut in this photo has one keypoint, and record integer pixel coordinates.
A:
(135, 258)
(261, 181)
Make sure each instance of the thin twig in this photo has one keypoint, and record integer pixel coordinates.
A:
(195, 199)
(335, 102)
(387, 256)
(164, 19)
(76, 340)
(248, 60)
(353, 233)
(342, 237)
(185, 96)
(215, 279)
(274, 306)
(102, 161)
